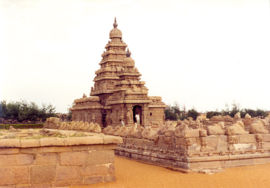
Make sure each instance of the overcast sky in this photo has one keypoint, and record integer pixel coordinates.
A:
(199, 53)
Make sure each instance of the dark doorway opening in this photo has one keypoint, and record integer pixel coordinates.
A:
(137, 111)
(104, 124)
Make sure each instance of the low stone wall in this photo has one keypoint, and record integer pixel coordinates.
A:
(199, 153)
(65, 158)
(200, 145)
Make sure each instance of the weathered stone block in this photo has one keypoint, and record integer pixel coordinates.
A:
(46, 159)
(239, 162)
(52, 141)
(67, 172)
(94, 170)
(106, 147)
(136, 141)
(190, 141)
(47, 149)
(112, 139)
(14, 175)
(191, 133)
(100, 157)
(16, 160)
(179, 141)
(26, 143)
(6, 143)
(93, 179)
(148, 143)
(29, 150)
(266, 145)
(80, 148)
(73, 158)
(50, 149)
(109, 178)
(8, 151)
(212, 141)
(165, 140)
(261, 160)
(42, 174)
(44, 185)
(96, 139)
(67, 182)
(244, 147)
(222, 144)
(247, 138)
(205, 165)
(93, 147)
(266, 137)
(194, 148)
(22, 186)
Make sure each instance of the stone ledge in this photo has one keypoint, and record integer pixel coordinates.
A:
(107, 139)
(229, 157)
(87, 139)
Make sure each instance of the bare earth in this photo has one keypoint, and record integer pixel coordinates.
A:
(132, 174)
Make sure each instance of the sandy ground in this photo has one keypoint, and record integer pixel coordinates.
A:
(132, 174)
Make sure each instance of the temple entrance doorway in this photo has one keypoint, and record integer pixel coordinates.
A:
(104, 123)
(137, 114)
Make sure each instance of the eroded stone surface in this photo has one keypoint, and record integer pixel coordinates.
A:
(29, 138)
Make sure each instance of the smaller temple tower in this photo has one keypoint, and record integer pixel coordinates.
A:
(118, 96)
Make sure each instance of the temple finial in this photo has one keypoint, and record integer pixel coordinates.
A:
(115, 23)
(128, 53)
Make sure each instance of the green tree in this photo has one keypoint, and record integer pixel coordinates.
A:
(212, 113)
(193, 113)
(23, 111)
(235, 108)
(169, 113)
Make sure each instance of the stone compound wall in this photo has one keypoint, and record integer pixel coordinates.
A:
(198, 145)
(56, 161)
(199, 153)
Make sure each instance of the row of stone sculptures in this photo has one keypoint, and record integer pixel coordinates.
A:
(56, 123)
(218, 125)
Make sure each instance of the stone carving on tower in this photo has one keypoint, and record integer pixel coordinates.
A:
(118, 95)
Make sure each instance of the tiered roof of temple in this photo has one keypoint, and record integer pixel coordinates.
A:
(118, 91)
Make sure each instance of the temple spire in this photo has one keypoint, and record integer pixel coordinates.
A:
(115, 23)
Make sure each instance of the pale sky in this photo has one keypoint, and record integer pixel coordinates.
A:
(199, 53)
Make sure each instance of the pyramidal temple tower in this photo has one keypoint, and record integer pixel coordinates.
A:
(118, 97)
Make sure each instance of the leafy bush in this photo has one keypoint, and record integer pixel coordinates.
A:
(23, 111)
(235, 109)
(212, 113)
(174, 113)
(193, 113)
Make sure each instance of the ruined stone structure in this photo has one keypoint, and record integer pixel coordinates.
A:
(201, 146)
(55, 158)
(118, 96)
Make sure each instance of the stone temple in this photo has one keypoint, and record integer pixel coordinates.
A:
(118, 97)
